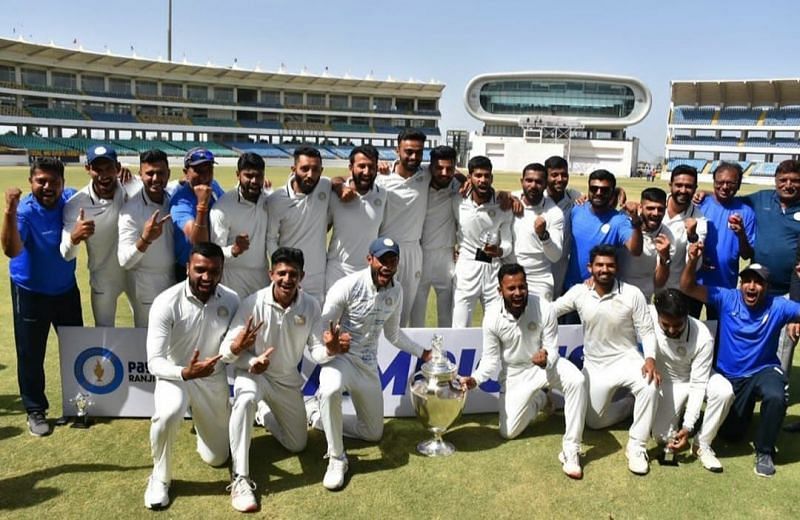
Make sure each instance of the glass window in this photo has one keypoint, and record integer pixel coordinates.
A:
(34, 77)
(315, 118)
(338, 101)
(426, 104)
(119, 86)
(271, 97)
(146, 88)
(199, 92)
(7, 74)
(93, 83)
(172, 90)
(404, 105)
(224, 94)
(63, 80)
(315, 100)
(360, 102)
(382, 104)
(293, 98)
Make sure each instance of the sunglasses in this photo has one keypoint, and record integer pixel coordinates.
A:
(600, 189)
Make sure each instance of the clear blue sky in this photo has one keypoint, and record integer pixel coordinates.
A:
(451, 41)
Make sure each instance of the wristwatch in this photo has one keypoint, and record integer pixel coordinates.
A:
(663, 261)
(545, 236)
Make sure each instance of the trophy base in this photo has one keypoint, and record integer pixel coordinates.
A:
(435, 448)
(81, 423)
(668, 459)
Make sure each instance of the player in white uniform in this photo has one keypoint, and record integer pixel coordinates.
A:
(477, 215)
(358, 308)
(650, 270)
(565, 198)
(146, 249)
(92, 215)
(239, 226)
(685, 351)
(407, 186)
(438, 240)
(614, 314)
(520, 336)
(538, 233)
(265, 344)
(355, 223)
(187, 324)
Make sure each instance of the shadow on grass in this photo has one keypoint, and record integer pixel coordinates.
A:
(25, 490)
(11, 404)
(6, 432)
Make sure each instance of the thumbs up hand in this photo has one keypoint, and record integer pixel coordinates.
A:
(83, 229)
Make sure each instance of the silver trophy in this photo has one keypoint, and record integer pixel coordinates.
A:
(490, 238)
(438, 399)
(82, 404)
(668, 457)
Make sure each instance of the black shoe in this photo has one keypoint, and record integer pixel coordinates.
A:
(792, 427)
(37, 424)
(764, 465)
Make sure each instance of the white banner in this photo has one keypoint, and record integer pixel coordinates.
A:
(110, 364)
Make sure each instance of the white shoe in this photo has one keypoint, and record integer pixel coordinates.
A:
(638, 463)
(707, 458)
(312, 411)
(242, 497)
(334, 476)
(571, 465)
(156, 496)
(261, 411)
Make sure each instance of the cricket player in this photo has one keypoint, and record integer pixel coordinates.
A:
(239, 226)
(91, 216)
(146, 249)
(265, 344)
(565, 198)
(187, 324)
(358, 308)
(520, 337)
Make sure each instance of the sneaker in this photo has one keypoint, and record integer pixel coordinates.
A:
(334, 476)
(638, 463)
(764, 465)
(38, 425)
(156, 496)
(571, 465)
(707, 458)
(242, 497)
(312, 411)
(261, 411)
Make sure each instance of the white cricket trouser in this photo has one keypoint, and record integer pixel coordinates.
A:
(438, 268)
(672, 402)
(603, 380)
(541, 285)
(409, 272)
(208, 398)
(145, 286)
(313, 284)
(518, 405)
(244, 281)
(286, 420)
(346, 373)
(474, 280)
(106, 286)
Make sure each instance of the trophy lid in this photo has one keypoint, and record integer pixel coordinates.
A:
(439, 367)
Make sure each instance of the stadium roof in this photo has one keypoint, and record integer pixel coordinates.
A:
(747, 93)
(78, 59)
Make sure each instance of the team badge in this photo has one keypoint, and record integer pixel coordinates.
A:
(378, 203)
(388, 301)
(796, 216)
(322, 195)
(491, 213)
(418, 274)
(532, 326)
(100, 150)
(300, 320)
(419, 178)
(223, 312)
(681, 351)
(605, 228)
(98, 370)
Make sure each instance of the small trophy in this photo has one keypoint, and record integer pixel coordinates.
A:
(668, 456)
(490, 238)
(82, 404)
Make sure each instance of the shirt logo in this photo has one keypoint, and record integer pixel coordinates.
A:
(388, 301)
(796, 216)
(300, 320)
(321, 195)
(681, 351)
(491, 213)
(532, 326)
(379, 203)
(223, 312)
(605, 228)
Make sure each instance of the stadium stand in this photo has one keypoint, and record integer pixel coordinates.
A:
(698, 116)
(698, 164)
(111, 117)
(267, 150)
(55, 113)
(764, 169)
(248, 123)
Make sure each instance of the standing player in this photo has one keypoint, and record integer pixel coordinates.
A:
(355, 223)
(43, 287)
(91, 215)
(438, 240)
(520, 337)
(565, 198)
(538, 233)
(265, 343)
(685, 350)
(478, 216)
(614, 315)
(239, 227)
(187, 324)
(358, 307)
(146, 247)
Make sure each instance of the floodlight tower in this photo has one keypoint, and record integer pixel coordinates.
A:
(169, 31)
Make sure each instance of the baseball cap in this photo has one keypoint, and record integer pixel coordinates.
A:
(758, 269)
(382, 245)
(197, 156)
(100, 151)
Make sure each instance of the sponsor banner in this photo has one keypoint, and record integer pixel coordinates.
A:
(110, 364)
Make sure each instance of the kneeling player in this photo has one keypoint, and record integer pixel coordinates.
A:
(520, 335)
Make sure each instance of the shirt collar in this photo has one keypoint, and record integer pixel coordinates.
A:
(187, 293)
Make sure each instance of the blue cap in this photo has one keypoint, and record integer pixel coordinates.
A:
(100, 151)
(382, 245)
(197, 156)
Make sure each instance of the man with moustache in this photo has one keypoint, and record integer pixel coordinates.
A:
(355, 223)
(187, 324)
(480, 218)
(265, 344)
(357, 309)
(650, 270)
(146, 246)
(43, 286)
(520, 338)
(750, 322)
(91, 216)
(538, 233)
(239, 227)
(565, 198)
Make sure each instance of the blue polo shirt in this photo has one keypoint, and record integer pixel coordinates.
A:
(776, 242)
(721, 251)
(40, 267)
(748, 338)
(588, 230)
(183, 208)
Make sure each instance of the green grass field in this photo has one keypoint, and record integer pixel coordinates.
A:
(101, 472)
